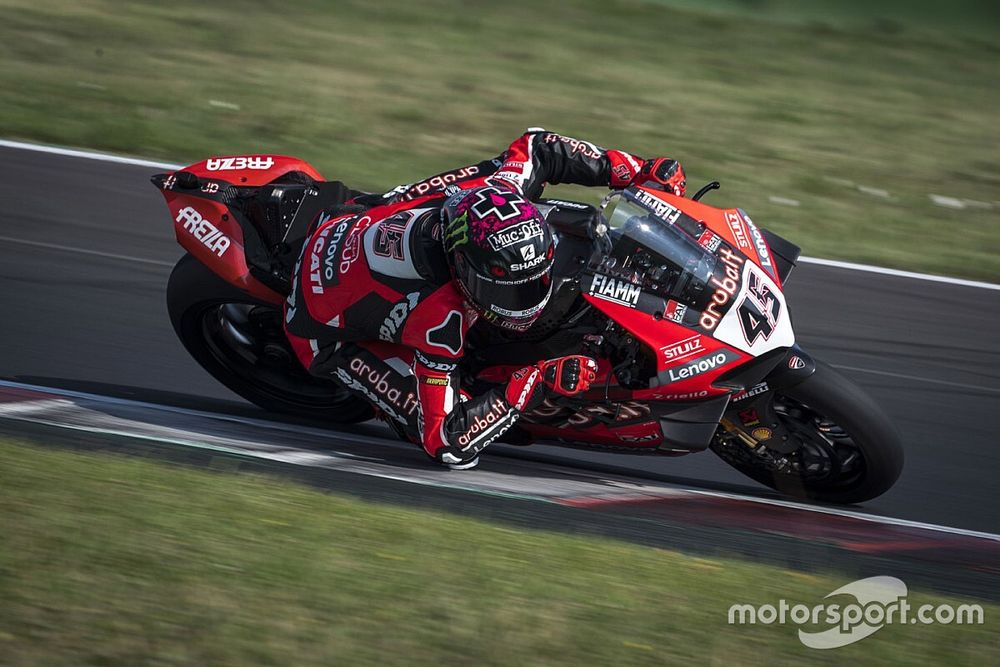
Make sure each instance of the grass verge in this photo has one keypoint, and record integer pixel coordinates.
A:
(112, 560)
(382, 93)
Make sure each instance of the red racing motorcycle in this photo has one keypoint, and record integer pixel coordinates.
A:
(681, 304)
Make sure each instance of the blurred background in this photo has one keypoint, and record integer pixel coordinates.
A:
(861, 130)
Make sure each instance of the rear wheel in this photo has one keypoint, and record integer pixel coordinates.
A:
(240, 341)
(849, 451)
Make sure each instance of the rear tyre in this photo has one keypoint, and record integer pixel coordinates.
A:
(850, 451)
(240, 341)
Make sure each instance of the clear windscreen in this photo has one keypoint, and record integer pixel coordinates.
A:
(660, 244)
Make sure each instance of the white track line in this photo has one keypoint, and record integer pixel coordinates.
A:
(84, 251)
(834, 511)
(897, 273)
(851, 266)
(88, 155)
(917, 378)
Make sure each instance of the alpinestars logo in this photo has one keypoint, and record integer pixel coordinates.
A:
(490, 202)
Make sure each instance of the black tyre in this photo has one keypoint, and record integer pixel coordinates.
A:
(850, 452)
(241, 343)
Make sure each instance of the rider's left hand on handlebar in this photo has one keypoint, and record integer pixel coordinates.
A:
(568, 375)
(663, 172)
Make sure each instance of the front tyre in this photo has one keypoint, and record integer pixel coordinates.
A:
(240, 341)
(849, 450)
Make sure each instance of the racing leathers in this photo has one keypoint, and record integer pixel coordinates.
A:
(374, 304)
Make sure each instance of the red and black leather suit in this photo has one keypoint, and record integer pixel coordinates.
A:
(374, 305)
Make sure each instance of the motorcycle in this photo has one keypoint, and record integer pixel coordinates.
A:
(679, 302)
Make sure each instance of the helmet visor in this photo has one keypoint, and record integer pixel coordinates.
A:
(517, 303)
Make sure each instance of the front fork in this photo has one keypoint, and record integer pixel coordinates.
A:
(751, 416)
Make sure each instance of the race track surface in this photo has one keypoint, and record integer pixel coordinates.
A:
(86, 248)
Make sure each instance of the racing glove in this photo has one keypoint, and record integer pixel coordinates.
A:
(662, 173)
(566, 376)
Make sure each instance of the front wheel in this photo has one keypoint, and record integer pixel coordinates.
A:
(849, 451)
(241, 342)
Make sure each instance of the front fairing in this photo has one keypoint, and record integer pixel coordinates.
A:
(689, 288)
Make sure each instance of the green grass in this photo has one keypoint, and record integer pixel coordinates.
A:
(120, 561)
(769, 100)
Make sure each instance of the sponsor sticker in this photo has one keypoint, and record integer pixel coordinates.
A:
(682, 349)
(382, 389)
(323, 264)
(584, 148)
(440, 182)
(515, 234)
(494, 203)
(615, 290)
(203, 230)
(675, 311)
(660, 208)
(393, 322)
(755, 390)
(691, 395)
(763, 252)
(239, 162)
(725, 289)
(738, 228)
(497, 413)
(709, 240)
(709, 362)
(444, 367)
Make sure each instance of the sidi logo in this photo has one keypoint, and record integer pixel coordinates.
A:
(239, 162)
(203, 230)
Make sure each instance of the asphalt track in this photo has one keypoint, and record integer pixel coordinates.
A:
(86, 248)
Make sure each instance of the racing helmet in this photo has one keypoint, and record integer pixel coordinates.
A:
(500, 249)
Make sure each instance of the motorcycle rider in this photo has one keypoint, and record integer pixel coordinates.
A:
(383, 298)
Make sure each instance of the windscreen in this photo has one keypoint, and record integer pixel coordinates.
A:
(670, 253)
